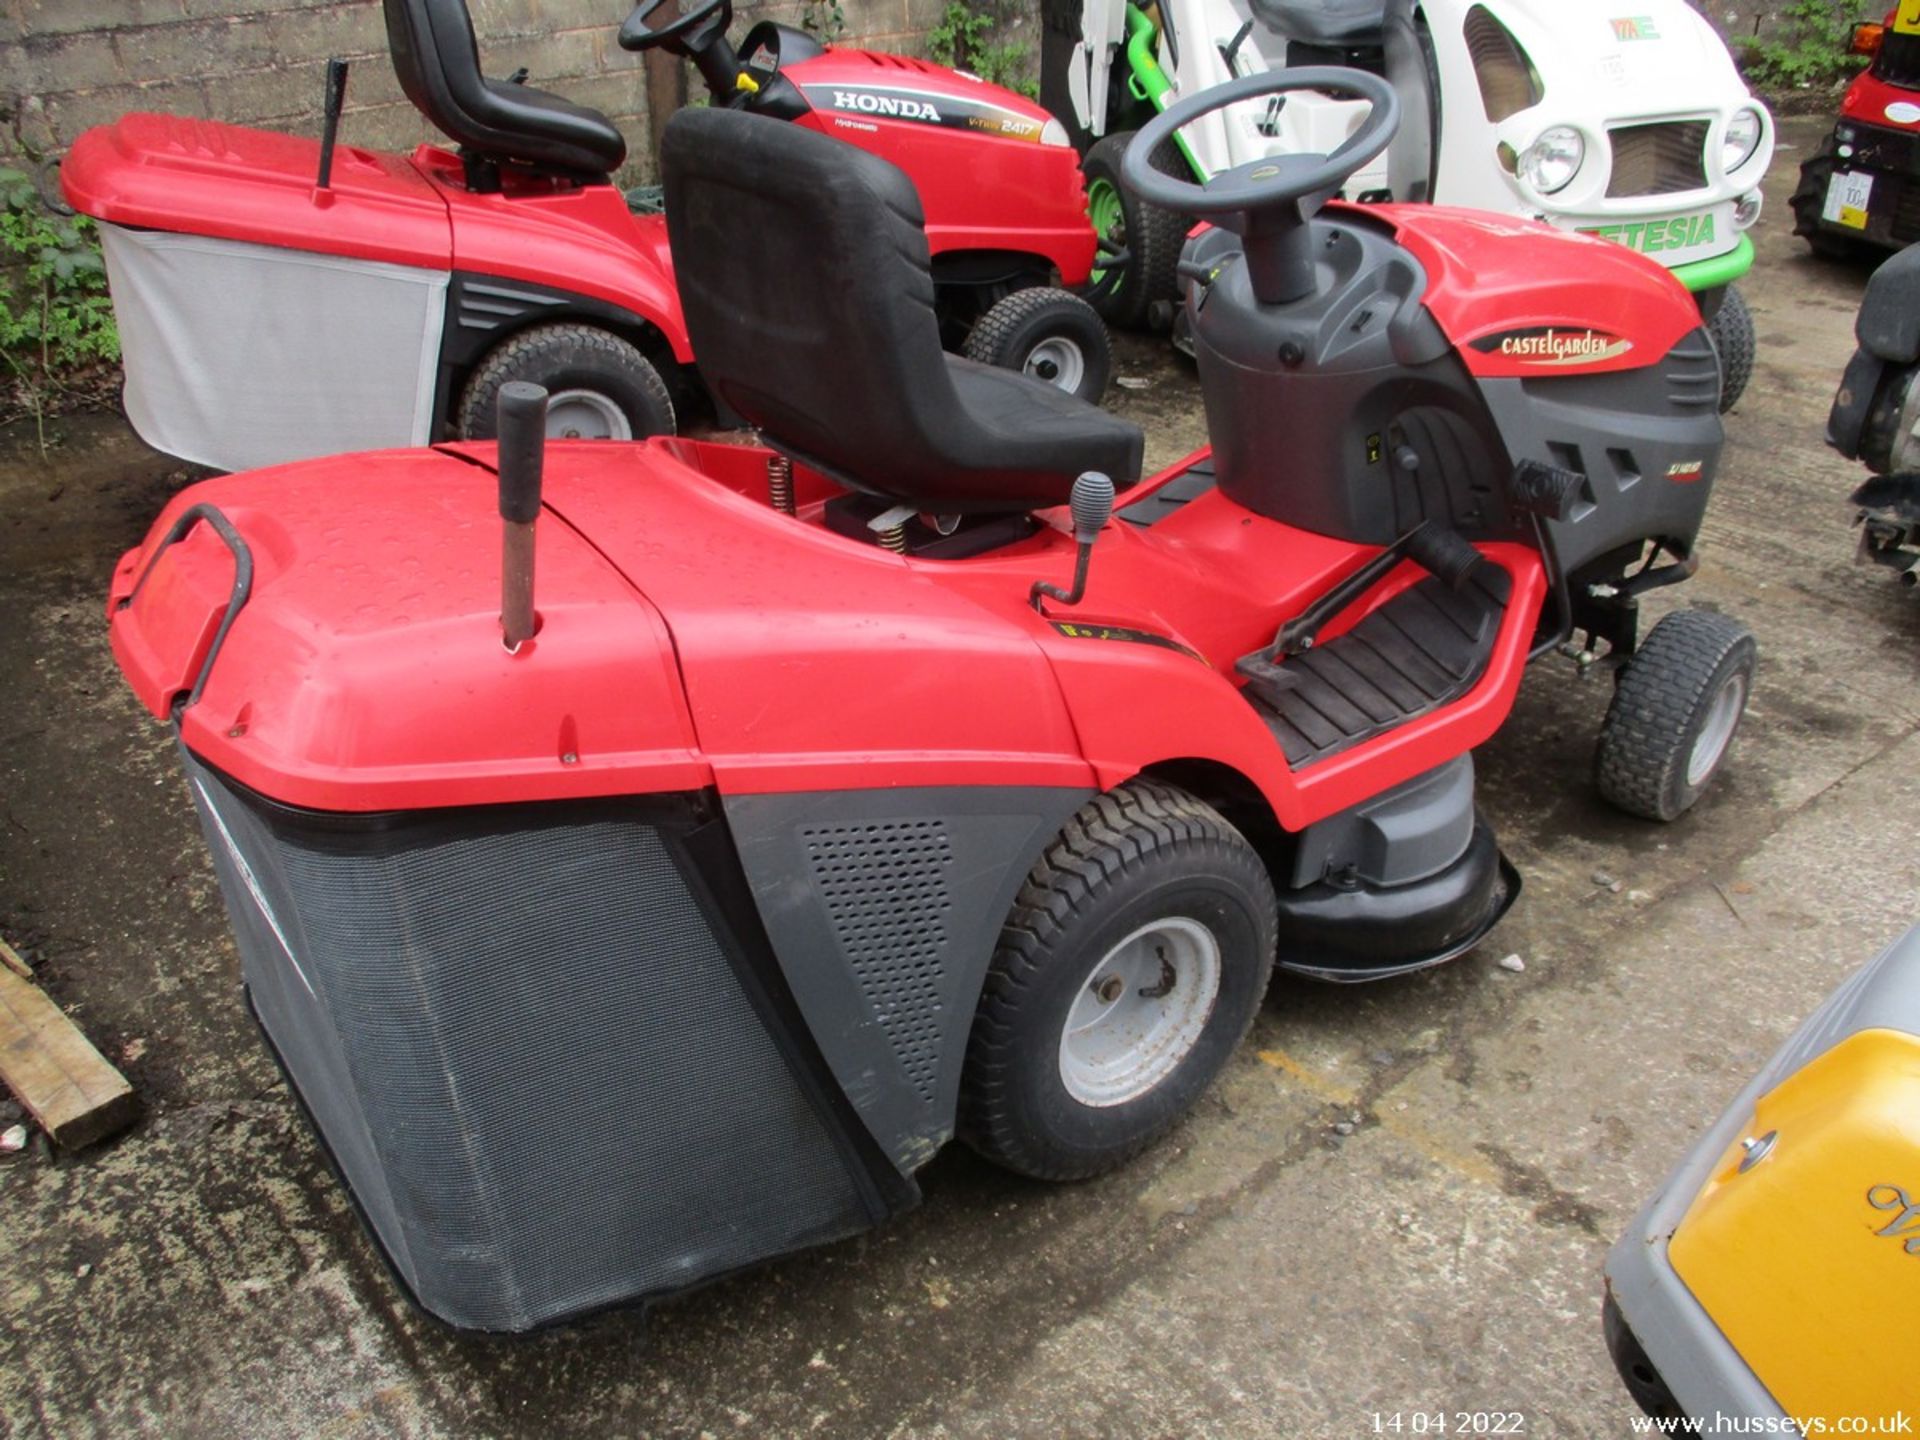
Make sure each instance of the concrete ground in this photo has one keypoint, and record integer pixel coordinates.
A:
(1264, 1272)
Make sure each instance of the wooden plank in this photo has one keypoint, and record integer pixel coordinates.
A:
(10, 958)
(67, 1085)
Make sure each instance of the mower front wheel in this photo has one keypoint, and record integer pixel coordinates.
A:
(599, 386)
(1674, 713)
(1049, 334)
(1133, 962)
(1731, 330)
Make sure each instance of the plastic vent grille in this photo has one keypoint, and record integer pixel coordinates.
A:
(1508, 81)
(524, 1045)
(1659, 159)
(887, 893)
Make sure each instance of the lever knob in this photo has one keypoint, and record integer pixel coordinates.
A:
(1092, 505)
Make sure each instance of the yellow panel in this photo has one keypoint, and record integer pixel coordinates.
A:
(1906, 19)
(1810, 1261)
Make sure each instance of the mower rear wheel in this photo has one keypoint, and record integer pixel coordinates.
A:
(599, 386)
(1731, 331)
(1675, 710)
(1049, 334)
(1133, 962)
(1151, 236)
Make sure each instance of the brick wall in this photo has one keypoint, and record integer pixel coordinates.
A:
(68, 64)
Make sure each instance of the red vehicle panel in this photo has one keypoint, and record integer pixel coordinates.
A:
(366, 671)
(1020, 192)
(578, 238)
(808, 662)
(1511, 313)
(200, 177)
(1873, 101)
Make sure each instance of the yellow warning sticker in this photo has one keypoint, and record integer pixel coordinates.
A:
(1906, 18)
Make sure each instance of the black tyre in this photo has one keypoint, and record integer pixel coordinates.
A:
(1133, 962)
(599, 387)
(1152, 237)
(1048, 334)
(1731, 330)
(1675, 710)
(1809, 197)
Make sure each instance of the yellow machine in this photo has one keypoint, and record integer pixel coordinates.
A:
(1776, 1276)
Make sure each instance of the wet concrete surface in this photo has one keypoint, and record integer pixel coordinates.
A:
(1261, 1273)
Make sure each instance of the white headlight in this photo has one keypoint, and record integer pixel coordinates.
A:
(1054, 133)
(1550, 163)
(1740, 140)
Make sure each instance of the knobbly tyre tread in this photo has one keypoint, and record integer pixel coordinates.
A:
(1809, 195)
(999, 329)
(525, 355)
(1645, 740)
(1156, 249)
(1107, 838)
(1731, 330)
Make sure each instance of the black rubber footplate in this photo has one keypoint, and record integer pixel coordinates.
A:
(1421, 650)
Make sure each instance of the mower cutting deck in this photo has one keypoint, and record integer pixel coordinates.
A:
(832, 798)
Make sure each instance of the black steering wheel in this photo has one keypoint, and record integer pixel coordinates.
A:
(1267, 202)
(636, 34)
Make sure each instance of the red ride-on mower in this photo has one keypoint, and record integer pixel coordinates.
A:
(826, 800)
(1860, 190)
(279, 298)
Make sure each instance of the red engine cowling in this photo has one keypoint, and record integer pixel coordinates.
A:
(995, 172)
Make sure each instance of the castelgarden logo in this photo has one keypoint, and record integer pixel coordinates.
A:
(1554, 345)
(1905, 1225)
(904, 107)
(1651, 236)
(1634, 27)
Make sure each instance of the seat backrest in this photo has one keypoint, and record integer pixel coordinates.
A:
(1324, 22)
(803, 275)
(438, 63)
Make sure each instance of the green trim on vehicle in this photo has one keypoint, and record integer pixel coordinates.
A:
(1720, 270)
(1147, 81)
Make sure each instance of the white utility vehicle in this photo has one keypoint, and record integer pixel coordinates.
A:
(1620, 118)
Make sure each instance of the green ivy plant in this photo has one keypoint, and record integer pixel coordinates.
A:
(56, 321)
(1809, 47)
(964, 40)
(825, 20)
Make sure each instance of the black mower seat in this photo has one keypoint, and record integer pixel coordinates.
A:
(438, 63)
(803, 275)
(1325, 22)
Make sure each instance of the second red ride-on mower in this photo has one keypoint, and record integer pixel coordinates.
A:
(280, 297)
(825, 800)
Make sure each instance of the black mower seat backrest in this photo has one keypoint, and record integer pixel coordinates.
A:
(1325, 22)
(438, 63)
(803, 275)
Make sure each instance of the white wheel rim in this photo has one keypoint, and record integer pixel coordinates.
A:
(1711, 743)
(585, 415)
(1140, 1012)
(1058, 361)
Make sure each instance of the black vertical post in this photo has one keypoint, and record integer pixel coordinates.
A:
(330, 119)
